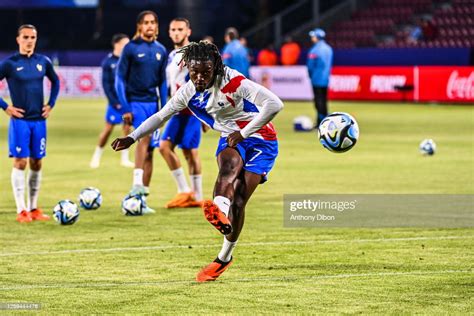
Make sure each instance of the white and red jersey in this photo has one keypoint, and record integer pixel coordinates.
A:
(233, 103)
(176, 73)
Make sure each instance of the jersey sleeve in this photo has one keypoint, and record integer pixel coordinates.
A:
(120, 77)
(3, 75)
(177, 103)
(268, 103)
(55, 83)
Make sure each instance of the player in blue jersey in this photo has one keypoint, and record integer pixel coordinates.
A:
(141, 72)
(25, 72)
(112, 116)
(183, 129)
(235, 55)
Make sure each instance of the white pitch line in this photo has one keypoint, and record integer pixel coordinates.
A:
(250, 244)
(257, 279)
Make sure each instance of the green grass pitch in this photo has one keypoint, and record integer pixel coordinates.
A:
(109, 263)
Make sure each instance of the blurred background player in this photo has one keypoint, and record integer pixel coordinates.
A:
(141, 72)
(183, 129)
(112, 116)
(235, 55)
(319, 68)
(25, 72)
(247, 148)
(208, 39)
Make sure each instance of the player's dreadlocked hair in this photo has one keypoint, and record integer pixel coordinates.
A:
(203, 51)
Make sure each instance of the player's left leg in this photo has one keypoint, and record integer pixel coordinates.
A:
(38, 152)
(244, 186)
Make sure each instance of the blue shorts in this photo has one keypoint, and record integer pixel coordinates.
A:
(183, 130)
(113, 116)
(27, 138)
(257, 154)
(141, 111)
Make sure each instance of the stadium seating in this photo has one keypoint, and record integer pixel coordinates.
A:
(386, 24)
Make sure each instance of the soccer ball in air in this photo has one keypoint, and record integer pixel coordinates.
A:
(133, 205)
(90, 198)
(428, 147)
(338, 132)
(66, 212)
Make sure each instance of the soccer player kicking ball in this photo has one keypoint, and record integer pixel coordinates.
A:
(141, 71)
(112, 116)
(183, 129)
(241, 110)
(25, 72)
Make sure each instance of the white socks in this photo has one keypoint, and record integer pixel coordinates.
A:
(138, 177)
(124, 156)
(223, 203)
(196, 183)
(34, 181)
(180, 179)
(18, 186)
(98, 152)
(226, 251)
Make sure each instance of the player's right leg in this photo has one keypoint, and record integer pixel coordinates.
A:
(144, 151)
(172, 134)
(103, 137)
(19, 135)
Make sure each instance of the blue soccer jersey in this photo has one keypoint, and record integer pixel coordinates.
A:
(141, 72)
(109, 67)
(25, 82)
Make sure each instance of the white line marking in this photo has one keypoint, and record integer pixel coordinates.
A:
(257, 279)
(250, 244)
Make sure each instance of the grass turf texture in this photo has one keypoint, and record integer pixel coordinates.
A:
(108, 263)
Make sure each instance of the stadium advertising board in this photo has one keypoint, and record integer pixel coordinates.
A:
(426, 83)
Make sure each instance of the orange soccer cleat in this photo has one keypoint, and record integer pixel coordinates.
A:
(23, 217)
(216, 217)
(212, 271)
(181, 200)
(37, 215)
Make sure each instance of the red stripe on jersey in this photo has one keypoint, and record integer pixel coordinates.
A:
(186, 111)
(232, 85)
(268, 131)
(230, 100)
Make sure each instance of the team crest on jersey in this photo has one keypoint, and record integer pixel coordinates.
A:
(39, 67)
(112, 66)
(158, 56)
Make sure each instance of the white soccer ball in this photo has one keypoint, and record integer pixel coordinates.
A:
(133, 205)
(338, 132)
(90, 198)
(66, 212)
(303, 123)
(428, 147)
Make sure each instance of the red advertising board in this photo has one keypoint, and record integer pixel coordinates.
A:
(445, 84)
(371, 83)
(425, 84)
